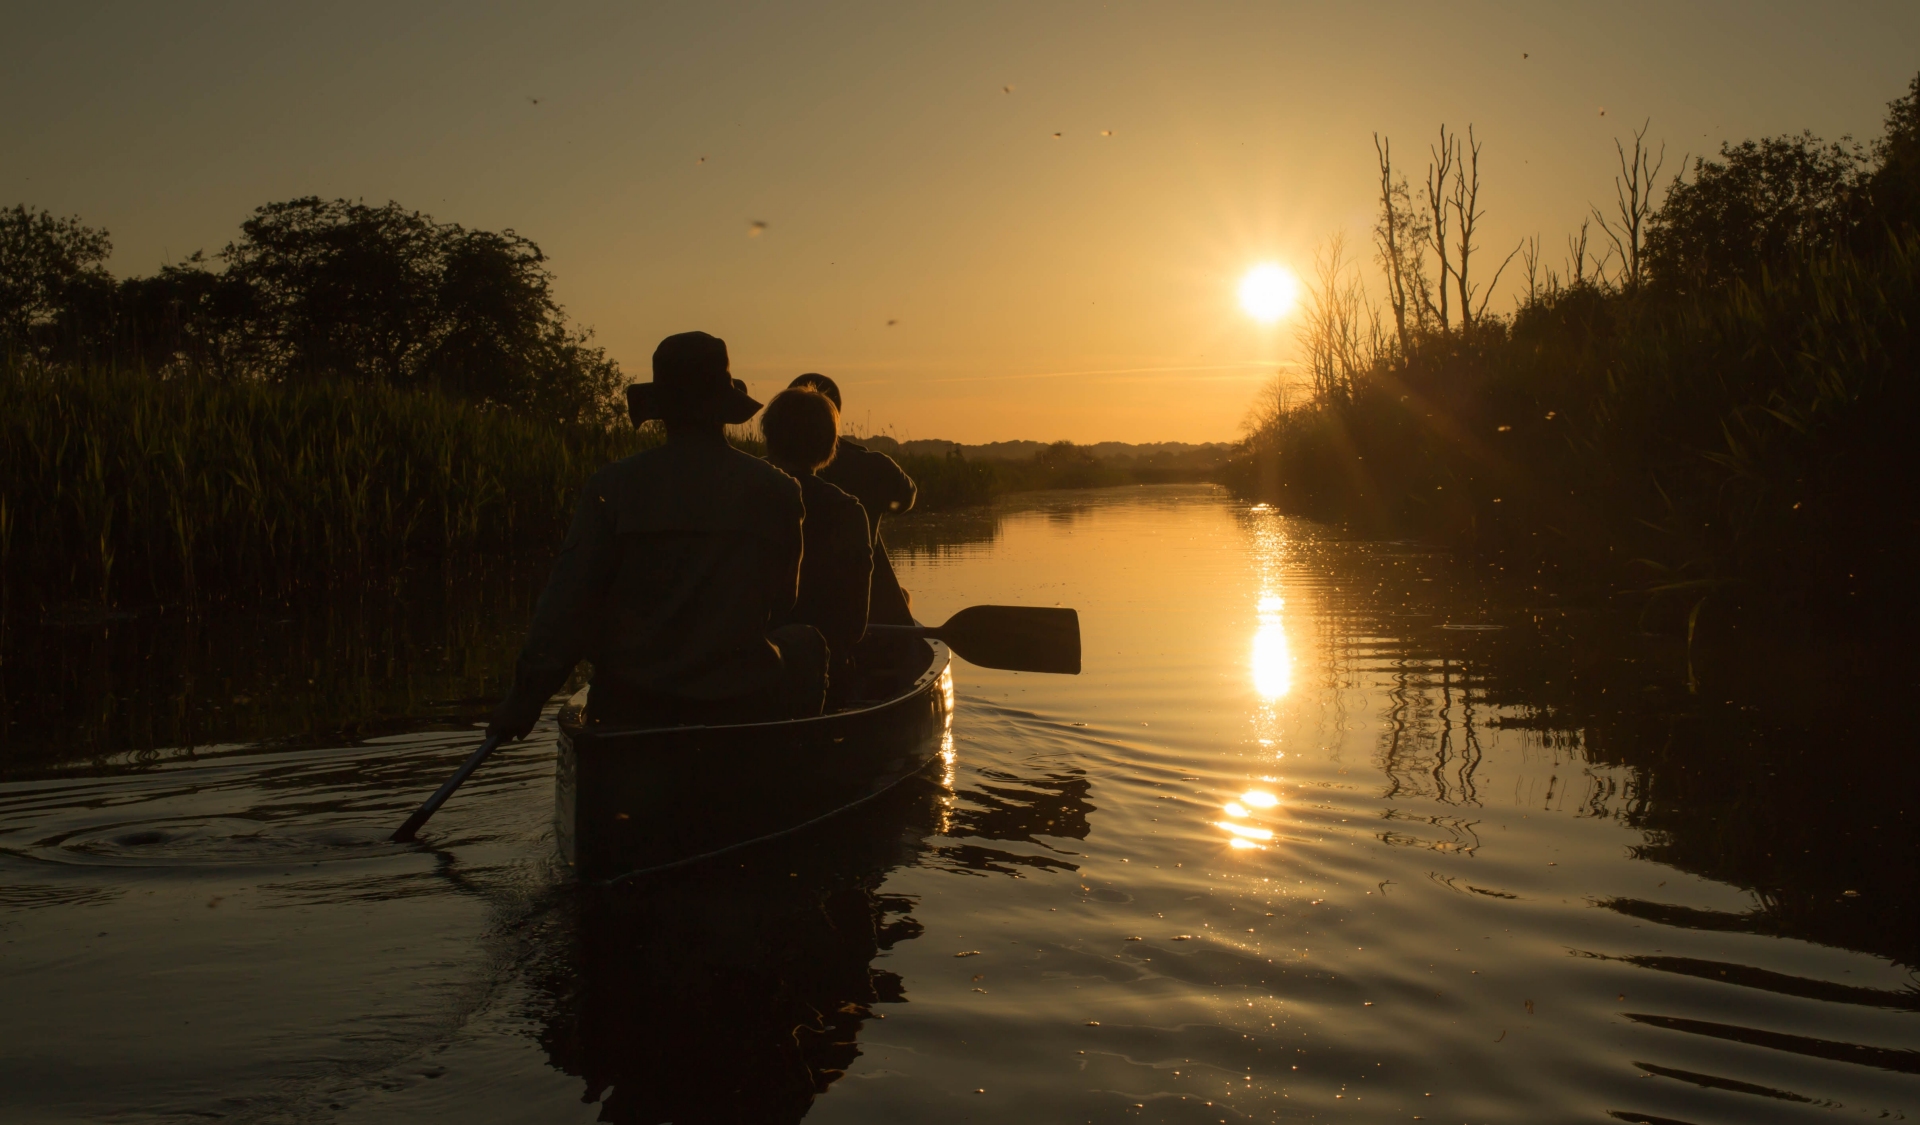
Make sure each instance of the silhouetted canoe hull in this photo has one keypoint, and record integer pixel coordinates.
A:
(632, 800)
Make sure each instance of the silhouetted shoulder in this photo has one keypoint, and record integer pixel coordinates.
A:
(699, 486)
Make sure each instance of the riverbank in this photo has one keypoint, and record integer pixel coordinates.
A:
(954, 479)
(1747, 443)
(128, 489)
(1712, 405)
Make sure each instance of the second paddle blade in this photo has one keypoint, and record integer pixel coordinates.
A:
(1018, 638)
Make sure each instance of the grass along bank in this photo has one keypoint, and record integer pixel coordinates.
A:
(1755, 439)
(125, 488)
(1718, 409)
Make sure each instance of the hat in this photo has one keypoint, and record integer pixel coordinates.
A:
(691, 381)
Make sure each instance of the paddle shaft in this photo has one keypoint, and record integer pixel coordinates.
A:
(425, 812)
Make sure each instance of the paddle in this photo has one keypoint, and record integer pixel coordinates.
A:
(1019, 638)
(420, 815)
(1015, 637)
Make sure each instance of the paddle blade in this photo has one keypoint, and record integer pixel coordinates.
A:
(1018, 638)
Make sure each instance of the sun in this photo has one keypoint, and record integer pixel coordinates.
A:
(1268, 292)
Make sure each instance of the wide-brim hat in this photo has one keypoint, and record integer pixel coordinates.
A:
(691, 381)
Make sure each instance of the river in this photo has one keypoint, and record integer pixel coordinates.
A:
(1326, 830)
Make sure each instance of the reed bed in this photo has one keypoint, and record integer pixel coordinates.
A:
(1756, 438)
(122, 487)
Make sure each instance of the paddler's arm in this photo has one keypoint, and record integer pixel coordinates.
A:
(892, 484)
(566, 617)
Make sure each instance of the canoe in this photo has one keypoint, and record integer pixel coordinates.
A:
(633, 800)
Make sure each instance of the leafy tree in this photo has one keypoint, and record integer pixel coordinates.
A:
(1894, 189)
(383, 294)
(314, 289)
(52, 280)
(1760, 203)
(189, 316)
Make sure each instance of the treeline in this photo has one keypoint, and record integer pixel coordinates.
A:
(1713, 396)
(954, 480)
(313, 290)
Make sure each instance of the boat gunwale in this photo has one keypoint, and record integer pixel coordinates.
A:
(939, 665)
(941, 660)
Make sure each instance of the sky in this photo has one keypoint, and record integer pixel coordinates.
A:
(986, 221)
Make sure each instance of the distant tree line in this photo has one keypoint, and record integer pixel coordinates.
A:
(1713, 391)
(312, 289)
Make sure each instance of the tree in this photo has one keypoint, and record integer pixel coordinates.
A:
(1893, 190)
(314, 289)
(52, 277)
(1633, 204)
(383, 294)
(1444, 158)
(1759, 204)
(1467, 215)
(340, 288)
(1339, 333)
(1400, 238)
(187, 316)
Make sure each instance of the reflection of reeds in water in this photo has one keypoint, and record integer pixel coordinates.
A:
(941, 535)
(1431, 747)
(427, 646)
(1804, 794)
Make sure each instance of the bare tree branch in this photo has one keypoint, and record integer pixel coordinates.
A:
(1530, 258)
(1466, 209)
(1633, 201)
(1494, 284)
(1443, 161)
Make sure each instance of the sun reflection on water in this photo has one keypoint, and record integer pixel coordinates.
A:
(1249, 822)
(948, 756)
(1272, 662)
(1242, 827)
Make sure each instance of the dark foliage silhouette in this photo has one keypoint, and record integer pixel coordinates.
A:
(313, 289)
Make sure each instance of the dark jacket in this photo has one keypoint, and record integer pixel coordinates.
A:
(678, 560)
(883, 488)
(835, 567)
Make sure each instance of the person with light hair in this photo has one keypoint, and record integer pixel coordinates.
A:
(801, 428)
(884, 489)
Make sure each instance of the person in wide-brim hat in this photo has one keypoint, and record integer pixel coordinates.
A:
(678, 576)
(691, 382)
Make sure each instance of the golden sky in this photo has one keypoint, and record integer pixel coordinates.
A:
(987, 221)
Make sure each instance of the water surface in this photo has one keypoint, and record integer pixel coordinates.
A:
(1326, 830)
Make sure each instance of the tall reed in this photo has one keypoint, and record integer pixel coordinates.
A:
(1753, 437)
(124, 487)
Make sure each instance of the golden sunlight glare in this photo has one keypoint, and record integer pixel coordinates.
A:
(1268, 292)
(1272, 662)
